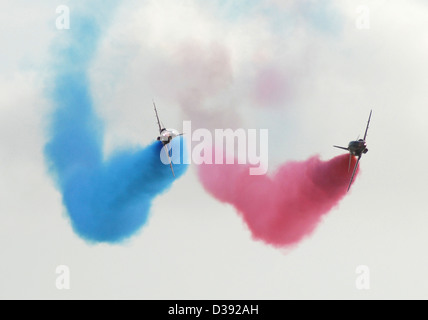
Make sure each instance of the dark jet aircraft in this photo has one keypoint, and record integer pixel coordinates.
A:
(165, 136)
(357, 148)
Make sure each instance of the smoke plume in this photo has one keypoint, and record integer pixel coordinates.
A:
(107, 200)
(284, 208)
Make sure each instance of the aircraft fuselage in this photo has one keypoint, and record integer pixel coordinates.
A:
(167, 135)
(358, 147)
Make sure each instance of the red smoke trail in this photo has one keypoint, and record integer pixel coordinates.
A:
(282, 209)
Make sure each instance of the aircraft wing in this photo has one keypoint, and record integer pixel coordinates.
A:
(157, 117)
(170, 162)
(367, 128)
(353, 173)
(347, 149)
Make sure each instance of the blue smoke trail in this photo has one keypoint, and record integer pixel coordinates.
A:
(107, 201)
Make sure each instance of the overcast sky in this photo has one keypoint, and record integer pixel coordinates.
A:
(308, 72)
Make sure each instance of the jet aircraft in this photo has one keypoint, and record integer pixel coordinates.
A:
(165, 136)
(357, 148)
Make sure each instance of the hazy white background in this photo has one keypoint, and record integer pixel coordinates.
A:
(194, 247)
